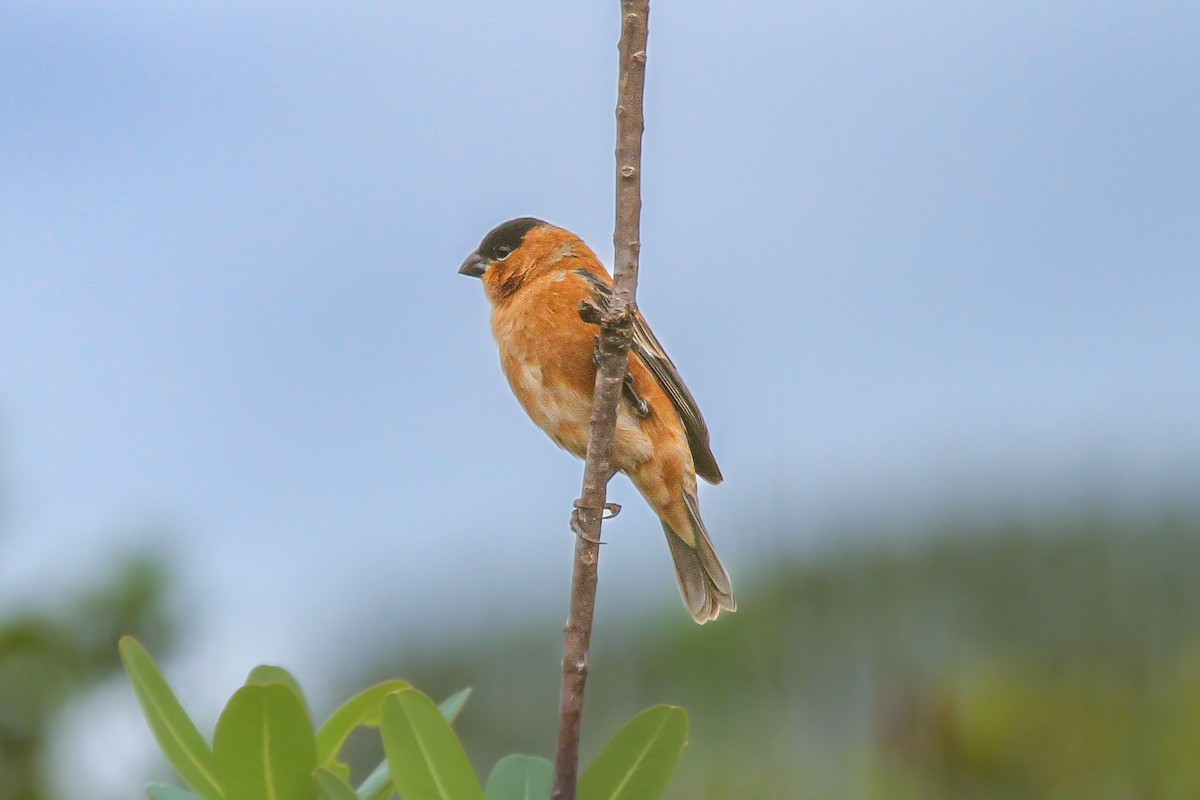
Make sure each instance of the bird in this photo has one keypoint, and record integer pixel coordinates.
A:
(548, 291)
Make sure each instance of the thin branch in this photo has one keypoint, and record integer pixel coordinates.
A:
(615, 333)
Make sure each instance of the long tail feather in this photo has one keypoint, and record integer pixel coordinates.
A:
(703, 581)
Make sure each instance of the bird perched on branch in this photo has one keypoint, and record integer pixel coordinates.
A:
(548, 292)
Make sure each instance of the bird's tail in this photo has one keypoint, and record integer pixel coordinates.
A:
(703, 581)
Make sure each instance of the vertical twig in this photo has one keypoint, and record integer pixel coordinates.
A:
(614, 352)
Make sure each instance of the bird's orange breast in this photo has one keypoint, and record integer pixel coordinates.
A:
(546, 354)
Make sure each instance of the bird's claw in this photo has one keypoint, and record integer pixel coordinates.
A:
(589, 312)
(577, 527)
(640, 406)
(611, 509)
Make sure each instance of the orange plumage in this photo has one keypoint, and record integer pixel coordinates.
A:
(538, 278)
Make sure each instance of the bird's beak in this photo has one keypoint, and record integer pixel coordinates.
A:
(475, 266)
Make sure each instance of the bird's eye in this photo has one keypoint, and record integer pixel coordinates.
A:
(503, 252)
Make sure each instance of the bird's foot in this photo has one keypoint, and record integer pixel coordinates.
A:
(589, 312)
(640, 406)
(577, 526)
(611, 509)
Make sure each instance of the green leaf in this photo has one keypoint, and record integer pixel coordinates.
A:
(158, 791)
(424, 756)
(520, 778)
(331, 787)
(453, 704)
(267, 673)
(362, 709)
(637, 763)
(177, 735)
(378, 785)
(264, 745)
(340, 769)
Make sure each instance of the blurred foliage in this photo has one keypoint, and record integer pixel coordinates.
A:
(265, 745)
(1051, 660)
(49, 655)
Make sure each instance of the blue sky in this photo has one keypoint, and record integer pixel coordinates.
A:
(904, 254)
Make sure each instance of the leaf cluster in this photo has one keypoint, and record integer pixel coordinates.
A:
(265, 746)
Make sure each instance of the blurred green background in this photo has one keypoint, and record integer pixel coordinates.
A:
(1037, 655)
(1050, 656)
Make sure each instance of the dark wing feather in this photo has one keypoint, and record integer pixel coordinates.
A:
(655, 358)
(652, 354)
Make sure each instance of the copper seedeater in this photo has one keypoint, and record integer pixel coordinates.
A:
(547, 289)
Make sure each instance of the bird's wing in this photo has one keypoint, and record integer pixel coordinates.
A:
(647, 348)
